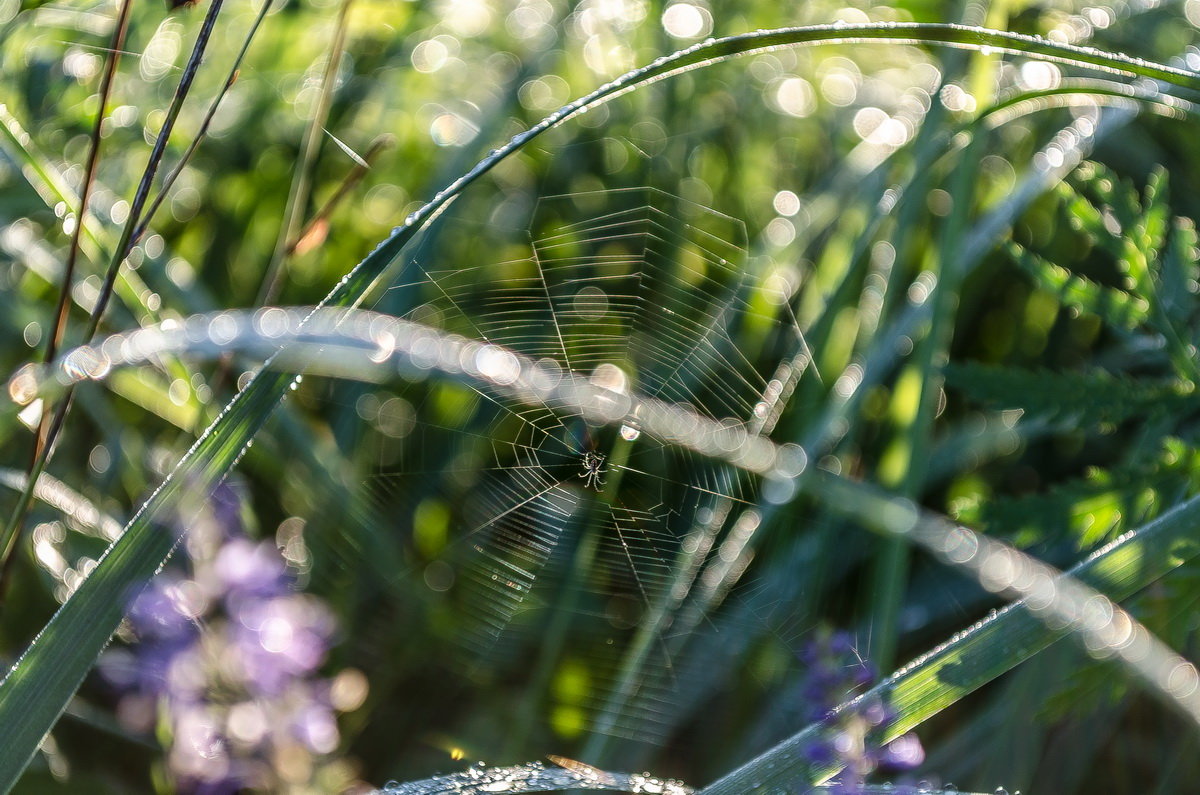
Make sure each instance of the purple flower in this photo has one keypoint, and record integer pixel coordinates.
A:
(162, 611)
(316, 728)
(245, 569)
(854, 735)
(227, 659)
(277, 640)
(904, 753)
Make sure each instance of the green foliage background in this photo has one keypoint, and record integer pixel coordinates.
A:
(1047, 399)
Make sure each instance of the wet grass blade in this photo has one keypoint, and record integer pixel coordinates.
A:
(983, 652)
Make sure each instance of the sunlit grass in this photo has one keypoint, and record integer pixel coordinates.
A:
(594, 469)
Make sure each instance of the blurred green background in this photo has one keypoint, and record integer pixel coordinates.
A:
(823, 192)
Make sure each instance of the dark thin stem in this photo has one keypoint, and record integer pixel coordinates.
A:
(59, 326)
(156, 155)
(12, 531)
(169, 180)
(89, 175)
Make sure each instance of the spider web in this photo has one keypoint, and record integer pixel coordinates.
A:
(647, 293)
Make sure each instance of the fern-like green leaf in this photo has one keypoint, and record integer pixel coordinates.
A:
(1086, 398)
(1116, 306)
(1092, 509)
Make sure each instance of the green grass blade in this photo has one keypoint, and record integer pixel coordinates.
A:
(983, 652)
(41, 682)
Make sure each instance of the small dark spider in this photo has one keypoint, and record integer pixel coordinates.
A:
(593, 470)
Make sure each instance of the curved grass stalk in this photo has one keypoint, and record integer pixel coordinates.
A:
(38, 687)
(368, 345)
(1086, 93)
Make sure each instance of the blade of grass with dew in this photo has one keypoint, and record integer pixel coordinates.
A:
(38, 687)
(572, 775)
(981, 653)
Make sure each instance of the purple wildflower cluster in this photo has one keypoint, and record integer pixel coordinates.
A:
(855, 737)
(226, 664)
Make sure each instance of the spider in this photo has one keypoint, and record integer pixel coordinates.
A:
(593, 470)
